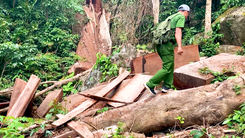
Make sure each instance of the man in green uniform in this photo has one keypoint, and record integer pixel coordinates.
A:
(166, 53)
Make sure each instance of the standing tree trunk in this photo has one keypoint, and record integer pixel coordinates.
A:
(155, 8)
(208, 28)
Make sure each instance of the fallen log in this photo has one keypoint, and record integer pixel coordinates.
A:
(211, 104)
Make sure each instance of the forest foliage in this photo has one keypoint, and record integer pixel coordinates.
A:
(36, 38)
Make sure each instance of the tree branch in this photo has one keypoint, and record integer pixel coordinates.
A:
(60, 83)
(7, 91)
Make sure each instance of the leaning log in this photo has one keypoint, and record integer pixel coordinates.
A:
(205, 104)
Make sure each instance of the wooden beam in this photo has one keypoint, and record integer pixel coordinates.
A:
(25, 97)
(90, 102)
(45, 106)
(82, 130)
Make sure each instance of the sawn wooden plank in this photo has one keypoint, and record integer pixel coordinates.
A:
(130, 92)
(25, 97)
(19, 86)
(45, 106)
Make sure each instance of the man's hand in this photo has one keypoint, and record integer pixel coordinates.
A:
(180, 50)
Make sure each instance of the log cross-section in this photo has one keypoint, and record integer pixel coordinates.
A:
(25, 97)
(90, 102)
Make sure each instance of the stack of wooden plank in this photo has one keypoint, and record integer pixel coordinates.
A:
(124, 89)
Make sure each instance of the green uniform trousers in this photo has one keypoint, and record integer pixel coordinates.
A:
(166, 53)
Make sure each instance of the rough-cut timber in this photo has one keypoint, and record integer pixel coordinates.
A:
(90, 102)
(104, 35)
(70, 134)
(88, 45)
(212, 104)
(130, 92)
(152, 63)
(19, 86)
(82, 130)
(188, 76)
(45, 106)
(25, 97)
(72, 101)
(95, 35)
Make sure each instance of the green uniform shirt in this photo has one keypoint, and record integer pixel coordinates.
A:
(178, 21)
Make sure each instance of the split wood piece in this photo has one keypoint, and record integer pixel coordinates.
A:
(70, 134)
(25, 97)
(82, 130)
(45, 106)
(146, 63)
(19, 86)
(90, 102)
(4, 104)
(72, 101)
(130, 92)
(88, 45)
(98, 98)
(104, 34)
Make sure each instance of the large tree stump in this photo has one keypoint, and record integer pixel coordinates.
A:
(210, 104)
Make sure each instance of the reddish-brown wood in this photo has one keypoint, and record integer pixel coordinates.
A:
(90, 102)
(45, 106)
(72, 101)
(25, 97)
(82, 130)
(189, 76)
(130, 92)
(190, 54)
(19, 86)
(153, 62)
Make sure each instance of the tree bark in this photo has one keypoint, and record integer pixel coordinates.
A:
(155, 8)
(208, 28)
(210, 104)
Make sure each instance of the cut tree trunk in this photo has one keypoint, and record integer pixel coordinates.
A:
(210, 104)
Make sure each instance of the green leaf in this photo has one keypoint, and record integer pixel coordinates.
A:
(193, 132)
(199, 134)
(227, 121)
